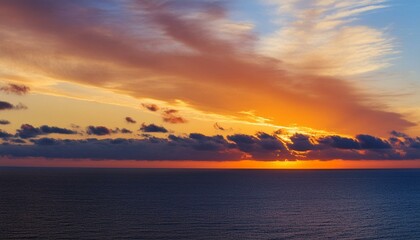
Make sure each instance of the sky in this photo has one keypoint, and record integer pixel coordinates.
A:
(210, 84)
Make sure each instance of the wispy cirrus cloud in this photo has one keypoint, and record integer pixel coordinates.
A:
(320, 37)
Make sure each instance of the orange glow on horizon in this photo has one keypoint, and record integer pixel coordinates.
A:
(246, 164)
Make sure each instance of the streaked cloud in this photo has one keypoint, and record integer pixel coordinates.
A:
(323, 37)
(193, 51)
(17, 89)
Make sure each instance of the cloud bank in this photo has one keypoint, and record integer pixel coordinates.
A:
(196, 146)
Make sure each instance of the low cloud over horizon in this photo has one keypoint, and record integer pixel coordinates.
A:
(28, 142)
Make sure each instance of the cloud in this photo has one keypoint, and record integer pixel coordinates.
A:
(29, 131)
(196, 146)
(323, 37)
(98, 130)
(117, 149)
(340, 142)
(4, 134)
(371, 142)
(169, 50)
(102, 130)
(218, 127)
(122, 130)
(9, 106)
(301, 142)
(4, 122)
(151, 107)
(130, 120)
(152, 128)
(17, 89)
(51, 129)
(172, 116)
(262, 146)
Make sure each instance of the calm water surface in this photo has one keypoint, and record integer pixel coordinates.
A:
(208, 204)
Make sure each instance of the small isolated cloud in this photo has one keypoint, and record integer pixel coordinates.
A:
(151, 107)
(98, 130)
(130, 120)
(8, 106)
(17, 89)
(29, 131)
(217, 126)
(121, 130)
(4, 122)
(152, 128)
(172, 116)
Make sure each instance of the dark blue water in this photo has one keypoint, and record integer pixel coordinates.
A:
(208, 204)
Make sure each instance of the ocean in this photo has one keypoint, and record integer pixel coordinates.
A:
(54, 203)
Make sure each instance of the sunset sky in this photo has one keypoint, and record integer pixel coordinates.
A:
(210, 84)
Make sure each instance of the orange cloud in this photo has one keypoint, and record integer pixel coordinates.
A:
(180, 50)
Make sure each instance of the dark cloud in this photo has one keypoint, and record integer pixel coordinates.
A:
(6, 106)
(48, 129)
(152, 128)
(121, 130)
(117, 149)
(301, 142)
(4, 122)
(98, 130)
(262, 146)
(398, 134)
(218, 127)
(197, 146)
(172, 116)
(130, 120)
(17, 89)
(339, 142)
(151, 107)
(371, 142)
(16, 140)
(4, 134)
(208, 143)
(46, 141)
(9, 106)
(29, 131)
